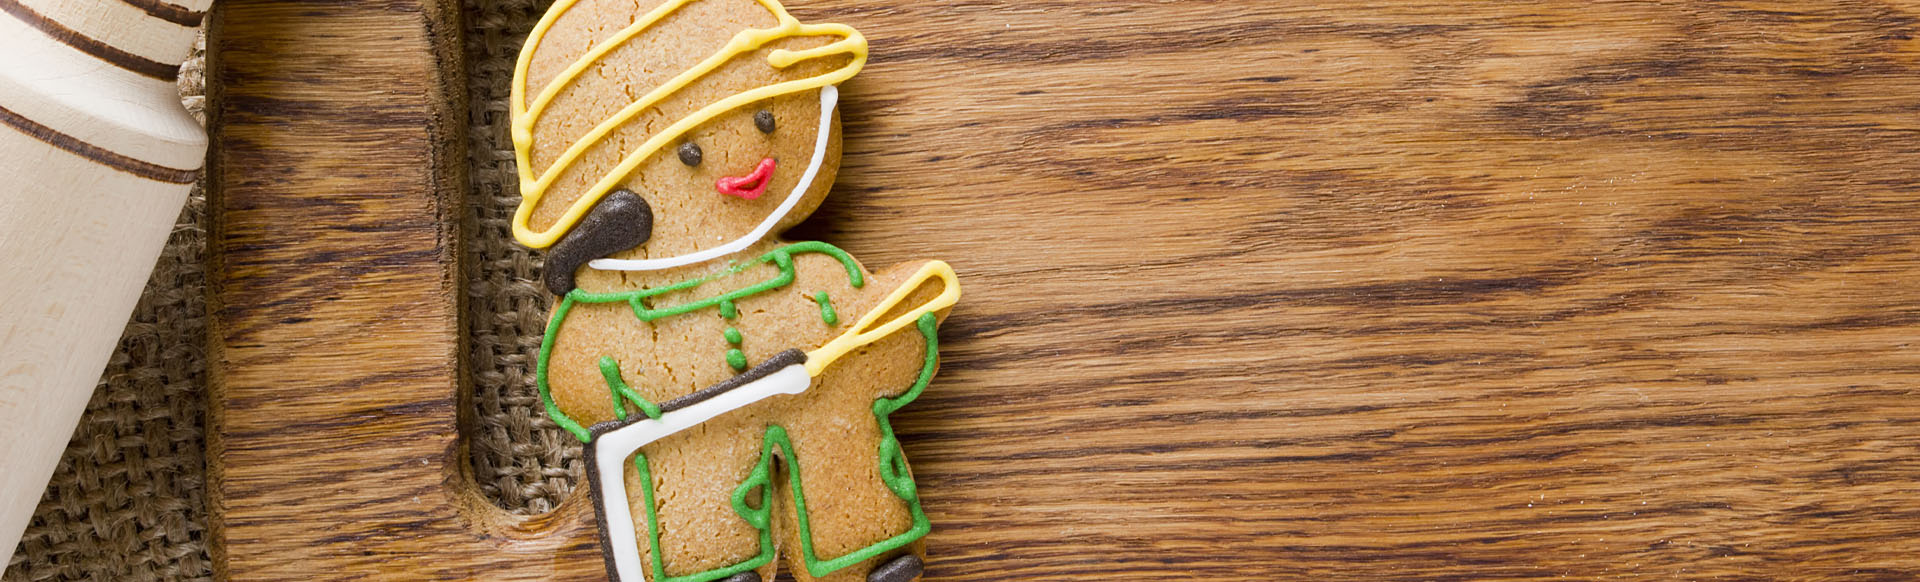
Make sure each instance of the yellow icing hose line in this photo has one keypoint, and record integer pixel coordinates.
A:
(533, 188)
(865, 332)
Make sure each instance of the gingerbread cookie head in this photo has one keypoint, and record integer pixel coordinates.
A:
(695, 132)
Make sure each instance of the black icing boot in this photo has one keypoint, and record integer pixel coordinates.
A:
(901, 569)
(747, 576)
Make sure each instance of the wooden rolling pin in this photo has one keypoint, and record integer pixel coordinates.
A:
(97, 157)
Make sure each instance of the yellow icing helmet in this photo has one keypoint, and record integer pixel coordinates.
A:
(528, 101)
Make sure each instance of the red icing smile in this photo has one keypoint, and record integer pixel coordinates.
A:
(750, 186)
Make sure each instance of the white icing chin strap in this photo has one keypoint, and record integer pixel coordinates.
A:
(829, 98)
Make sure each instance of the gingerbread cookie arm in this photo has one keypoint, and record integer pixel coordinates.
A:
(869, 328)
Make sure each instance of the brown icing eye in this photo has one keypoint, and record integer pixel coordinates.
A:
(763, 121)
(690, 154)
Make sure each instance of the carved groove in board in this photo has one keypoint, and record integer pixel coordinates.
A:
(99, 155)
(86, 44)
(330, 472)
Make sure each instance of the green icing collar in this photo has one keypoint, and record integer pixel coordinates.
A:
(781, 257)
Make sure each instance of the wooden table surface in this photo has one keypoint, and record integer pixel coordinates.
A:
(1255, 289)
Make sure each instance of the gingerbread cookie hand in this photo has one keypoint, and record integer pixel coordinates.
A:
(723, 380)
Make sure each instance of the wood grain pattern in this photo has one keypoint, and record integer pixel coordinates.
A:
(334, 450)
(1255, 290)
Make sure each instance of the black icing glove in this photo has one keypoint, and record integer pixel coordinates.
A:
(618, 222)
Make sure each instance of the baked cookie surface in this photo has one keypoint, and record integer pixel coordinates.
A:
(733, 388)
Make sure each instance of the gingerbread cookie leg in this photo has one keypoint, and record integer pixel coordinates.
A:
(659, 518)
(850, 504)
(682, 529)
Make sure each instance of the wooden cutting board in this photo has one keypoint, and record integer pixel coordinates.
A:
(335, 404)
(1256, 290)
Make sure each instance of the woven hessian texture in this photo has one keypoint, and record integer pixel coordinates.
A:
(128, 500)
(524, 461)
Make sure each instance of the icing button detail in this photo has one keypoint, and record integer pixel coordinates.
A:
(763, 121)
(826, 308)
(780, 258)
(620, 221)
(690, 154)
(901, 569)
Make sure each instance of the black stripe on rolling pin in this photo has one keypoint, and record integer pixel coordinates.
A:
(169, 12)
(98, 154)
(85, 44)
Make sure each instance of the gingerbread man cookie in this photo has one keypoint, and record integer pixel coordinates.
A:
(733, 389)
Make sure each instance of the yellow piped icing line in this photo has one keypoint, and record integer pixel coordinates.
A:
(533, 188)
(865, 332)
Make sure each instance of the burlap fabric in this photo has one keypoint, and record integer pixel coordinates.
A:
(128, 500)
(524, 461)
